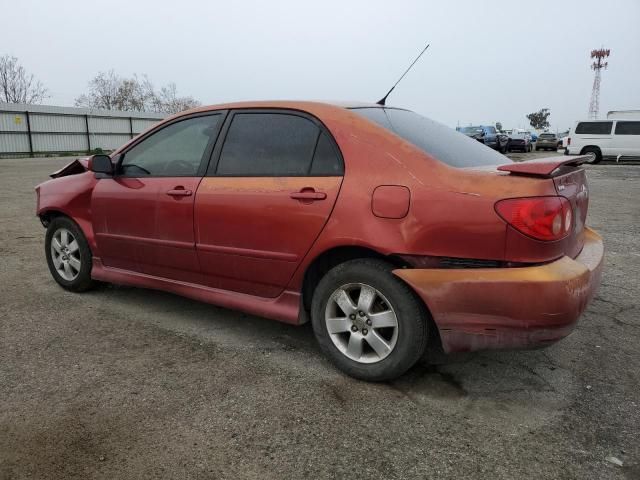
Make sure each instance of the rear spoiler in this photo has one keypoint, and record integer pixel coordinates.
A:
(544, 167)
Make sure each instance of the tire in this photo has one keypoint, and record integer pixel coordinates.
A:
(537, 149)
(393, 301)
(593, 150)
(68, 255)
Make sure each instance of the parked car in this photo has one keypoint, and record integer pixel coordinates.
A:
(487, 135)
(520, 141)
(547, 141)
(611, 139)
(388, 230)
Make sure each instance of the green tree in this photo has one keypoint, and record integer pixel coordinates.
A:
(539, 120)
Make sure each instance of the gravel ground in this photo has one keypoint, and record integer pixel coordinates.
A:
(129, 383)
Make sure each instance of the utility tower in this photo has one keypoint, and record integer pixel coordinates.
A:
(598, 64)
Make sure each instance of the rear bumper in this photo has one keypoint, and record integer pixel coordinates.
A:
(505, 308)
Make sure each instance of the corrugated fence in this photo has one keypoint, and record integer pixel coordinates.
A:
(41, 129)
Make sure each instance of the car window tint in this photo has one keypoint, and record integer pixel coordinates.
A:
(627, 128)
(443, 143)
(594, 128)
(268, 144)
(175, 150)
(326, 161)
(547, 135)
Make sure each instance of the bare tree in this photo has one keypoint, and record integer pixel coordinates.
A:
(109, 91)
(168, 101)
(16, 85)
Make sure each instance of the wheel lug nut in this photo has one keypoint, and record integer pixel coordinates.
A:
(361, 313)
(368, 321)
(365, 331)
(354, 328)
(352, 316)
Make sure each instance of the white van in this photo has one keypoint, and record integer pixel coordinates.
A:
(611, 139)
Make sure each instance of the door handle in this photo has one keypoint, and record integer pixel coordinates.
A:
(308, 194)
(179, 192)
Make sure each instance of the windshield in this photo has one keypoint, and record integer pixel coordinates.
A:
(453, 148)
(471, 130)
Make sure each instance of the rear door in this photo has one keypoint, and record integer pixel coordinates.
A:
(270, 188)
(143, 216)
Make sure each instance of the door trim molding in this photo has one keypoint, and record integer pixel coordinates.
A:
(147, 241)
(248, 252)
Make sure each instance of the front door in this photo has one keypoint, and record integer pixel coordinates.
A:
(143, 216)
(269, 191)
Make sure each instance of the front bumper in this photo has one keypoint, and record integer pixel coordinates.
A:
(498, 308)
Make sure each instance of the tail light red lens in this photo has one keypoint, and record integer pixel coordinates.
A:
(543, 218)
(568, 141)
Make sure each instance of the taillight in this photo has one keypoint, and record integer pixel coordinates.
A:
(568, 141)
(543, 218)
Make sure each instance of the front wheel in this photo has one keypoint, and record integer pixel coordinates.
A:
(367, 321)
(68, 255)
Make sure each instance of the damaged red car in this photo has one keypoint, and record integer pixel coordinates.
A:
(388, 231)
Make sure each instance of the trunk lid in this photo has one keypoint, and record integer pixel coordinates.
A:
(573, 186)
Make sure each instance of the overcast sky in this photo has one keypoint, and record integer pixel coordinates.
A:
(488, 61)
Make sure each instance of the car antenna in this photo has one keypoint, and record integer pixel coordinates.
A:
(384, 99)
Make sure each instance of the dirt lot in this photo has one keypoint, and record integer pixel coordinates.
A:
(128, 383)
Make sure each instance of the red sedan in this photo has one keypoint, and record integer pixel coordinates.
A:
(383, 227)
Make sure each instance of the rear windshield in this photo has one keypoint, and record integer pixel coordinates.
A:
(547, 135)
(439, 141)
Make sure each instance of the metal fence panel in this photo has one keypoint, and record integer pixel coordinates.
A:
(140, 125)
(108, 142)
(46, 142)
(32, 129)
(13, 122)
(14, 143)
(109, 125)
(57, 123)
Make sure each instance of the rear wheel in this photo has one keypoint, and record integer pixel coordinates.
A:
(367, 321)
(593, 152)
(68, 255)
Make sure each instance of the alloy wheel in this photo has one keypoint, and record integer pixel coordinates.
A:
(65, 253)
(361, 323)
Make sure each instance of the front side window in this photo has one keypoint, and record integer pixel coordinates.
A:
(594, 128)
(627, 128)
(268, 145)
(174, 151)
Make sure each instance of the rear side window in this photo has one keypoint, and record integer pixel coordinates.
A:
(441, 142)
(269, 145)
(594, 128)
(627, 128)
(490, 130)
(326, 161)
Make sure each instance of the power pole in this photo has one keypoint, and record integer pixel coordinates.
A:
(597, 65)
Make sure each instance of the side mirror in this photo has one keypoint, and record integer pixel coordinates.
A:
(102, 164)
